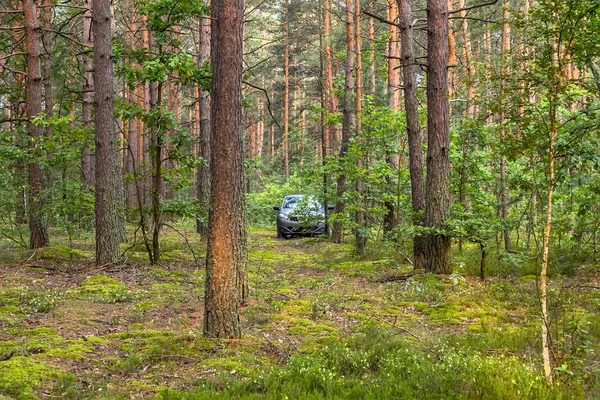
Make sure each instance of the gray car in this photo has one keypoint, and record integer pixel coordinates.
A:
(300, 215)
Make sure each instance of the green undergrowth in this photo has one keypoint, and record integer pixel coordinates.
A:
(103, 289)
(18, 303)
(321, 322)
(379, 365)
(20, 377)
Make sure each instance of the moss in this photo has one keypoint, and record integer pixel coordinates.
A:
(20, 377)
(528, 278)
(240, 363)
(298, 308)
(172, 276)
(62, 252)
(175, 255)
(49, 344)
(170, 293)
(421, 306)
(103, 289)
(135, 334)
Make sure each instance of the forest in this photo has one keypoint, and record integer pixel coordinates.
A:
(306, 199)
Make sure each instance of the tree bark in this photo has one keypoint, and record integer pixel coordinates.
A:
(286, 107)
(360, 215)
(47, 44)
(437, 188)
(109, 184)
(505, 48)
(204, 134)
(372, 69)
(87, 156)
(413, 129)
(225, 241)
(348, 121)
(468, 61)
(393, 85)
(331, 101)
(546, 242)
(38, 234)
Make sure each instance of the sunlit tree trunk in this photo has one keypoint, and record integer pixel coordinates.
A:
(225, 244)
(393, 86)
(372, 69)
(467, 51)
(451, 58)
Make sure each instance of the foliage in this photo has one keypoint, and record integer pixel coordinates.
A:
(376, 365)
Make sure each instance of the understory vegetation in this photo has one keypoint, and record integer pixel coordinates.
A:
(321, 323)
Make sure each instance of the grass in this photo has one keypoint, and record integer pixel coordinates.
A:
(320, 324)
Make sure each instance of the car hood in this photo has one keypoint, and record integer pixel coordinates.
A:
(287, 211)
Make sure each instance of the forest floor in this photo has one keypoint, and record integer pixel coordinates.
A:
(321, 323)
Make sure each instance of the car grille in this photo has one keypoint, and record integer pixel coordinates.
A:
(294, 219)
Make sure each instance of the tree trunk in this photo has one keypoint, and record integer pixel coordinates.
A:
(225, 244)
(348, 121)
(38, 234)
(415, 138)
(468, 61)
(87, 157)
(360, 216)
(505, 48)
(204, 134)
(372, 69)
(482, 262)
(546, 247)
(157, 137)
(325, 93)
(109, 183)
(393, 85)
(331, 101)
(437, 188)
(48, 99)
(286, 107)
(451, 58)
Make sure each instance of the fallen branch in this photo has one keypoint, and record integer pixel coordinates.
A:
(396, 327)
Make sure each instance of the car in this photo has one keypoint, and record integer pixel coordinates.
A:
(300, 215)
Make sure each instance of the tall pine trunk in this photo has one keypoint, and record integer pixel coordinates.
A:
(204, 132)
(226, 243)
(505, 48)
(437, 188)
(348, 121)
(109, 183)
(361, 214)
(87, 157)
(38, 233)
(413, 129)
(286, 101)
(47, 45)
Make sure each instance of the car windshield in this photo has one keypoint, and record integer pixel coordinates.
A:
(293, 201)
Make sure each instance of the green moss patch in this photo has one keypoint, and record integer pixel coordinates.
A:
(60, 252)
(103, 289)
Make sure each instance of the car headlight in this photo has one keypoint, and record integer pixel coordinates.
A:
(283, 216)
